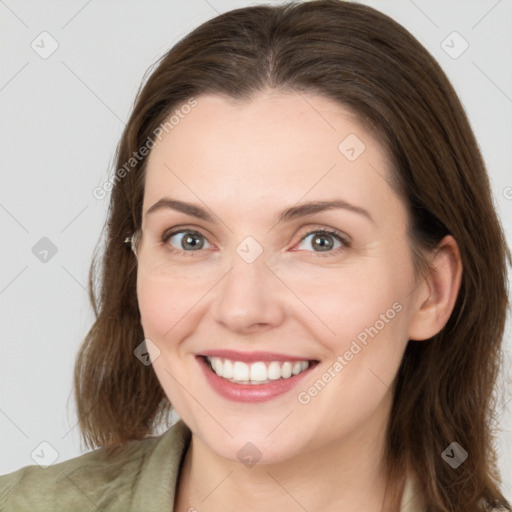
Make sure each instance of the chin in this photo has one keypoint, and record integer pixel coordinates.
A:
(250, 446)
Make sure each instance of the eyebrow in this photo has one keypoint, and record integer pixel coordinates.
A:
(288, 214)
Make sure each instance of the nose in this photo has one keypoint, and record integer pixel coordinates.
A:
(250, 297)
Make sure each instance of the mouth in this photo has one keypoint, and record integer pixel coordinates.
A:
(253, 377)
(259, 372)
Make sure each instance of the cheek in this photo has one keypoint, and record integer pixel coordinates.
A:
(370, 322)
(369, 317)
(155, 305)
(348, 302)
(166, 309)
(166, 306)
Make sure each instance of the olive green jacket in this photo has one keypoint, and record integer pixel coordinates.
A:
(142, 478)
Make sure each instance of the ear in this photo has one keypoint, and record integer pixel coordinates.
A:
(437, 293)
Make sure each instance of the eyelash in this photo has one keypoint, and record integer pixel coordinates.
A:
(334, 233)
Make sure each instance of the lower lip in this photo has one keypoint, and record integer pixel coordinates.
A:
(249, 392)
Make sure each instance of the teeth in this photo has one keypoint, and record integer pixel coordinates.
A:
(218, 367)
(240, 371)
(258, 371)
(274, 370)
(227, 369)
(255, 373)
(286, 370)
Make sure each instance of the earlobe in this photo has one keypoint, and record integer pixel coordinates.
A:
(437, 295)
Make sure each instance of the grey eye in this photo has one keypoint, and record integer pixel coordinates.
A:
(190, 240)
(323, 241)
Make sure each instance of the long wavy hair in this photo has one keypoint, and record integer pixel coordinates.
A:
(352, 54)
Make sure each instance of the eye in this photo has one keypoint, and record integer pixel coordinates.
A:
(186, 240)
(325, 241)
(190, 241)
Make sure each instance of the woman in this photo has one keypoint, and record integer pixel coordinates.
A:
(303, 258)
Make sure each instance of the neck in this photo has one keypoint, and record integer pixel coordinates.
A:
(342, 476)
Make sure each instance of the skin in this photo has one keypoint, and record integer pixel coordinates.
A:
(245, 161)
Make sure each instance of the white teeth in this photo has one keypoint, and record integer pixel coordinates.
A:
(274, 370)
(258, 372)
(286, 370)
(240, 371)
(255, 373)
(227, 369)
(218, 366)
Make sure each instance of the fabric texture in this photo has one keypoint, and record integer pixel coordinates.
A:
(142, 478)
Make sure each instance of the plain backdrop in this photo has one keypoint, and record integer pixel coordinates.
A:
(62, 116)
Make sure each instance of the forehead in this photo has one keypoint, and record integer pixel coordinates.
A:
(275, 148)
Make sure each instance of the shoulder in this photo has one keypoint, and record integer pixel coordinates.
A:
(94, 480)
(84, 479)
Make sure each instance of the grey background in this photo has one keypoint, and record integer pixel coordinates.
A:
(62, 117)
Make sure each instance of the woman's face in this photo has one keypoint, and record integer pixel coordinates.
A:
(305, 310)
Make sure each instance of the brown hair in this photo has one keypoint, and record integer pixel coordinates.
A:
(367, 62)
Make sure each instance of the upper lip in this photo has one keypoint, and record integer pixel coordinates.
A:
(251, 357)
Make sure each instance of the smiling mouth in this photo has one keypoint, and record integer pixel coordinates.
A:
(259, 372)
